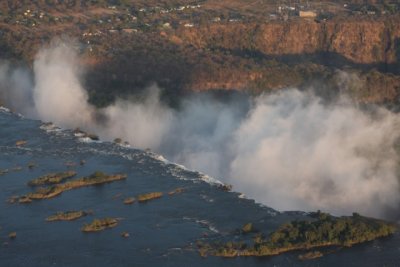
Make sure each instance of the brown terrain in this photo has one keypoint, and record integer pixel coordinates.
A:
(361, 41)
(186, 46)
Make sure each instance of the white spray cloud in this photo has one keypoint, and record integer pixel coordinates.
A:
(286, 150)
(293, 152)
(16, 88)
(58, 94)
(201, 133)
(143, 124)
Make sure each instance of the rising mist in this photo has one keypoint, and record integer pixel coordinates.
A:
(288, 150)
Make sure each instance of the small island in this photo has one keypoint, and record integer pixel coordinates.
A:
(12, 235)
(129, 200)
(52, 178)
(66, 216)
(20, 143)
(178, 190)
(96, 178)
(22, 200)
(149, 196)
(247, 228)
(310, 255)
(100, 225)
(125, 234)
(322, 231)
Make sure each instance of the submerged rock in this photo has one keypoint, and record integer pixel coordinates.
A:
(47, 124)
(12, 235)
(13, 169)
(117, 196)
(310, 255)
(70, 164)
(125, 234)
(225, 187)
(21, 143)
(31, 165)
(93, 137)
(78, 132)
(16, 169)
(12, 199)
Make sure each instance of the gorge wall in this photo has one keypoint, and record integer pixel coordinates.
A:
(363, 41)
(237, 55)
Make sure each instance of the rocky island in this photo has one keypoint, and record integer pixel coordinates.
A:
(52, 178)
(100, 225)
(149, 196)
(66, 216)
(96, 178)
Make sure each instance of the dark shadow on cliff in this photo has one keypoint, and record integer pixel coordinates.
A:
(328, 59)
(137, 62)
(136, 66)
(397, 46)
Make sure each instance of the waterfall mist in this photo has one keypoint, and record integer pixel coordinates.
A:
(289, 150)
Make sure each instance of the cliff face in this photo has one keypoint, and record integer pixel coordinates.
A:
(239, 56)
(366, 42)
(361, 42)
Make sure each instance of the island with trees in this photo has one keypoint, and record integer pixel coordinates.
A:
(323, 230)
(96, 178)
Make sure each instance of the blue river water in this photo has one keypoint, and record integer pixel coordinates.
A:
(163, 232)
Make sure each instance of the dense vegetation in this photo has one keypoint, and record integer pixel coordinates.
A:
(327, 229)
(324, 230)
